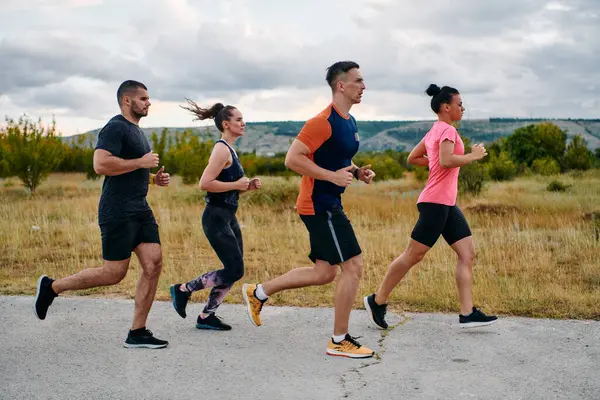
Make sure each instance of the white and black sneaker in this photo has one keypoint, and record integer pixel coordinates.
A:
(143, 338)
(43, 297)
(476, 319)
(376, 312)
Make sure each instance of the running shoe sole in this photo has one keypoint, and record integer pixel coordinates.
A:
(144, 346)
(468, 325)
(336, 353)
(247, 301)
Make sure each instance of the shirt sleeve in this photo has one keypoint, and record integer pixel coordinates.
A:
(450, 134)
(314, 133)
(111, 138)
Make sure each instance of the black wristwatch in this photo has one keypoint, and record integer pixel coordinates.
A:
(355, 173)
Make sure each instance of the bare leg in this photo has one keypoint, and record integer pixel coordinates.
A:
(465, 250)
(150, 257)
(413, 254)
(345, 293)
(321, 274)
(111, 273)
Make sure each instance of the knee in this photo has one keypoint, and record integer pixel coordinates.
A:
(467, 257)
(354, 268)
(414, 257)
(153, 268)
(117, 274)
(236, 274)
(326, 276)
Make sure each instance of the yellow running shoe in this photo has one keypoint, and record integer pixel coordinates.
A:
(348, 347)
(254, 304)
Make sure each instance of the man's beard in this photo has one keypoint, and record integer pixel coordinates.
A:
(138, 114)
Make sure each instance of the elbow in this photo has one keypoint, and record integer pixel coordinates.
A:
(289, 164)
(204, 184)
(99, 169)
(287, 161)
(410, 160)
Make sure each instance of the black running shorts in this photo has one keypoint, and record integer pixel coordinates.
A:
(438, 219)
(331, 236)
(120, 237)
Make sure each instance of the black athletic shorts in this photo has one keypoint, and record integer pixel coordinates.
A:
(121, 236)
(438, 219)
(331, 236)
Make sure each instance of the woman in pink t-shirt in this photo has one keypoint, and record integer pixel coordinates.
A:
(441, 150)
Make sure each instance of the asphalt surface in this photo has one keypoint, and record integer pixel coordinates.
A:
(77, 352)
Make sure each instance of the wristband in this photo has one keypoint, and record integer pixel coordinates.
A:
(355, 173)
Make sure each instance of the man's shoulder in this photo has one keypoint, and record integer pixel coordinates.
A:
(116, 123)
(324, 114)
(320, 120)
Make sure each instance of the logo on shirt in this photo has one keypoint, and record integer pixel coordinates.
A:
(356, 136)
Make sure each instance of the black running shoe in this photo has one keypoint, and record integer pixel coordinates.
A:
(143, 338)
(476, 319)
(212, 322)
(376, 312)
(43, 297)
(180, 299)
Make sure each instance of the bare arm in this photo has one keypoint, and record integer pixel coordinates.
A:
(217, 161)
(418, 155)
(297, 160)
(450, 160)
(107, 164)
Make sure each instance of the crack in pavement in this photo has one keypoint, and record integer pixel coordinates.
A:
(351, 385)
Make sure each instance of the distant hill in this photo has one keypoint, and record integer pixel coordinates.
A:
(275, 136)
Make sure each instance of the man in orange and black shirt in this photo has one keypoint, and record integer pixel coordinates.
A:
(322, 153)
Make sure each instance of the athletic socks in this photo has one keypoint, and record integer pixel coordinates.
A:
(338, 338)
(260, 293)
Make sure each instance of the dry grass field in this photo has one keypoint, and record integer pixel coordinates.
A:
(538, 254)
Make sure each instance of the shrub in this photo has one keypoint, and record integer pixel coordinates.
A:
(557, 186)
(546, 166)
(501, 168)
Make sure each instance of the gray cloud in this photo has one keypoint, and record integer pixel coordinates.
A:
(516, 57)
(12, 5)
(35, 70)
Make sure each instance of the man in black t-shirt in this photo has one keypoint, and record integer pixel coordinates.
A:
(127, 224)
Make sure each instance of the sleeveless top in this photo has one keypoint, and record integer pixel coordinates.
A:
(232, 173)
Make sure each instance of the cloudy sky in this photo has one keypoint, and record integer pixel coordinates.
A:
(268, 57)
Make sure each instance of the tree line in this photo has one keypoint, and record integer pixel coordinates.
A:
(31, 150)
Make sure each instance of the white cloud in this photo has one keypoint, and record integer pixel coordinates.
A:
(518, 57)
(15, 5)
(556, 6)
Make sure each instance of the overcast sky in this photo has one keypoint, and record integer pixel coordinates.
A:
(524, 58)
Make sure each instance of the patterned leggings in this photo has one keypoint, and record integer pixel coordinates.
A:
(223, 233)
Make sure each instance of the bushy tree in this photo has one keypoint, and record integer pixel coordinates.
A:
(545, 166)
(533, 142)
(34, 150)
(500, 167)
(189, 157)
(578, 156)
(471, 178)
(4, 167)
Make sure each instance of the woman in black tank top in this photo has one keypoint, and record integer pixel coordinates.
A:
(223, 179)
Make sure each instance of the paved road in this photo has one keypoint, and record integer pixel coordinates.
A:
(77, 353)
